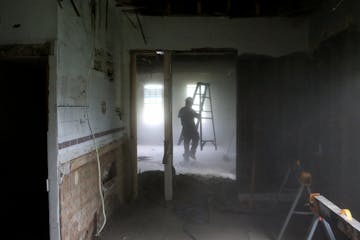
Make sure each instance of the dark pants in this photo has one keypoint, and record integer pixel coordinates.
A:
(192, 136)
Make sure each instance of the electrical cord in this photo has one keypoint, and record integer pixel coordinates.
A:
(89, 76)
(99, 177)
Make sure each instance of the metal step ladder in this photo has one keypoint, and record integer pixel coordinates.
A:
(202, 104)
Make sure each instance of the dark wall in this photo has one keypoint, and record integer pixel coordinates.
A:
(303, 107)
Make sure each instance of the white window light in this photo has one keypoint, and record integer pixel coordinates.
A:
(153, 104)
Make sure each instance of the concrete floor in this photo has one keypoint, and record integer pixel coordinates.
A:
(160, 223)
(203, 208)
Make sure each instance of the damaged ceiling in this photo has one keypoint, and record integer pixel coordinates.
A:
(225, 8)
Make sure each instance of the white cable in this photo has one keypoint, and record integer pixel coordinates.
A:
(99, 176)
(89, 76)
(337, 5)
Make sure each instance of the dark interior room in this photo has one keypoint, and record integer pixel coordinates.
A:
(191, 119)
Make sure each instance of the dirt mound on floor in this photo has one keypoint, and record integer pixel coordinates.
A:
(192, 188)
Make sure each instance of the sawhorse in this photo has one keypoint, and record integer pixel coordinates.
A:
(305, 182)
(293, 169)
(326, 225)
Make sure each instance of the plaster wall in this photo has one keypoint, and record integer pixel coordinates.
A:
(27, 22)
(334, 35)
(255, 35)
(303, 107)
(220, 72)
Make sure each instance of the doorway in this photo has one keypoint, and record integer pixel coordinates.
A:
(150, 97)
(218, 69)
(24, 101)
(150, 112)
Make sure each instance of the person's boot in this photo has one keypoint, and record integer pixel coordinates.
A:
(186, 156)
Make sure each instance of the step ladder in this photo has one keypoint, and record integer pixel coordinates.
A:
(304, 180)
(202, 104)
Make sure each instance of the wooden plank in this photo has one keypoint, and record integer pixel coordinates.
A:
(199, 7)
(89, 157)
(332, 213)
(133, 124)
(168, 7)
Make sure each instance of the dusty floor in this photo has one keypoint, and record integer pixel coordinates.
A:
(203, 208)
(220, 162)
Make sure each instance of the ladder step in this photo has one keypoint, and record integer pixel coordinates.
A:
(204, 94)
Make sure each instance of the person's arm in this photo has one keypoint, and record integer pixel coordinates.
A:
(195, 114)
(180, 115)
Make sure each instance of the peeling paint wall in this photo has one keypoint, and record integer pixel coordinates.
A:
(88, 84)
(89, 53)
(81, 211)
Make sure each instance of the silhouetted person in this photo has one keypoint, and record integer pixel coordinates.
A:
(189, 130)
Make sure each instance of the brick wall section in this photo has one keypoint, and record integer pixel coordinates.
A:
(80, 203)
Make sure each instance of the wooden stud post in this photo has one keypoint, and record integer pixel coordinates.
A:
(168, 7)
(168, 146)
(133, 125)
(199, 7)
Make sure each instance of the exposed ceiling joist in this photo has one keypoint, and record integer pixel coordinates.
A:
(228, 8)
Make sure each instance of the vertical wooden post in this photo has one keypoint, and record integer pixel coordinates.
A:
(168, 7)
(133, 126)
(228, 7)
(257, 8)
(199, 7)
(168, 145)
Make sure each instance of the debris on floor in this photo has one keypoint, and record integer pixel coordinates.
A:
(144, 158)
(203, 207)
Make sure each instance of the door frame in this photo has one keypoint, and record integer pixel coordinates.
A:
(46, 51)
(168, 142)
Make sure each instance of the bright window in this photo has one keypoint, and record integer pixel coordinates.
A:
(153, 104)
(190, 89)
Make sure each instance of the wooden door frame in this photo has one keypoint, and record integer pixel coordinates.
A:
(168, 142)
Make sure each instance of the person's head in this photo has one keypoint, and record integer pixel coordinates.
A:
(188, 102)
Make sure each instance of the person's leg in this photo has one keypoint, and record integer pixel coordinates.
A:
(186, 147)
(194, 144)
